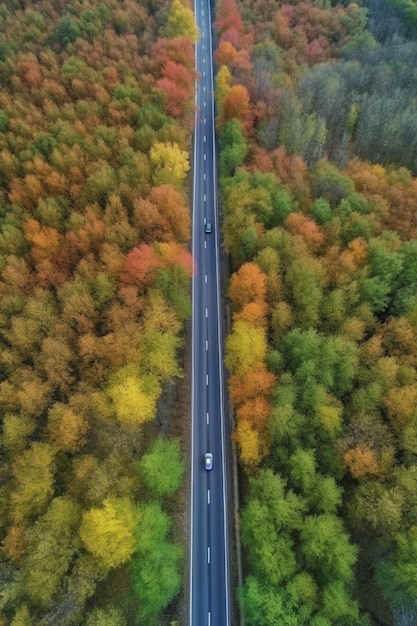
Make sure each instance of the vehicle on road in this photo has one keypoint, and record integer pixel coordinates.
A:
(208, 461)
(208, 228)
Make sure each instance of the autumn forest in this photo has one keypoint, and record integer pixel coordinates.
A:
(317, 129)
(96, 113)
(317, 159)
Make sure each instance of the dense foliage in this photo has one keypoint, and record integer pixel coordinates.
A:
(323, 347)
(96, 107)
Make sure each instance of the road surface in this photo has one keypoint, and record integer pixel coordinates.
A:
(209, 602)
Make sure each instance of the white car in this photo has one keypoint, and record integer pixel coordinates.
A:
(208, 227)
(208, 461)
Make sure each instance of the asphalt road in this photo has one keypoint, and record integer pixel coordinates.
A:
(209, 602)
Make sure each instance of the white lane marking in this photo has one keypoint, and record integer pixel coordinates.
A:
(209, 619)
(205, 244)
(205, 197)
(205, 156)
(208, 496)
(207, 380)
(205, 120)
(204, 176)
(205, 278)
(208, 555)
(206, 312)
(206, 344)
(208, 418)
(205, 138)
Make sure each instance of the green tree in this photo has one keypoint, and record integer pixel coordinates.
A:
(305, 280)
(155, 567)
(161, 468)
(327, 550)
(233, 147)
(266, 605)
(396, 573)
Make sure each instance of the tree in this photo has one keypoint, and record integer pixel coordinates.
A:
(223, 83)
(234, 106)
(264, 605)
(234, 147)
(161, 355)
(33, 481)
(110, 616)
(247, 285)
(56, 362)
(400, 403)
(170, 163)
(22, 617)
(181, 22)
(299, 224)
(66, 430)
(252, 445)
(51, 546)
(155, 568)
(245, 346)
(327, 550)
(108, 532)
(133, 396)
(177, 85)
(305, 279)
(267, 521)
(396, 572)
(161, 468)
(171, 206)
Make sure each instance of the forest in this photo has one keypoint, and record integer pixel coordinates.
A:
(96, 114)
(316, 121)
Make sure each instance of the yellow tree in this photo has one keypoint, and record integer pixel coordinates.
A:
(108, 532)
(245, 346)
(181, 22)
(251, 444)
(133, 396)
(223, 84)
(170, 164)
